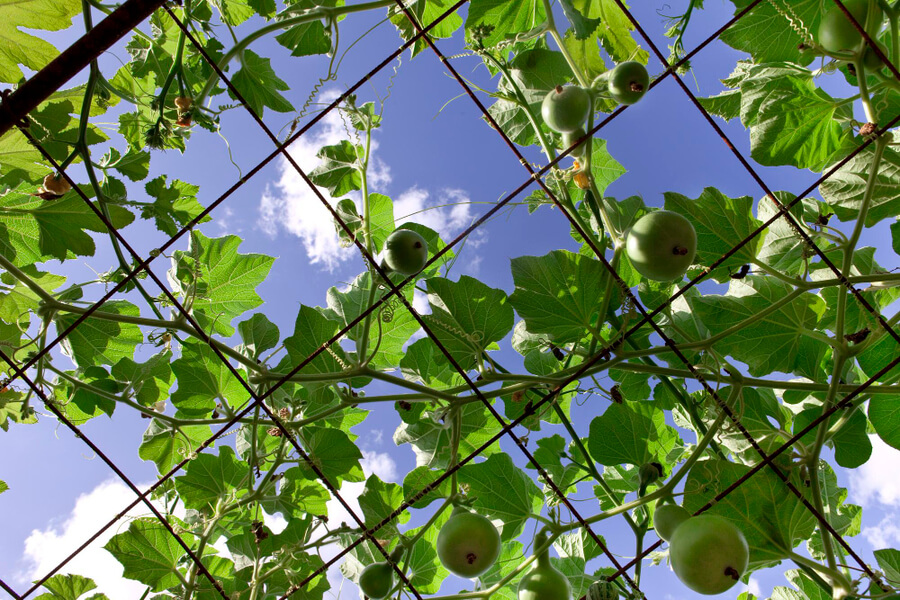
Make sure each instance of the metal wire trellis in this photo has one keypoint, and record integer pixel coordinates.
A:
(15, 112)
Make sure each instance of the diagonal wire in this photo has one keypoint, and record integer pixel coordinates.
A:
(9, 590)
(80, 434)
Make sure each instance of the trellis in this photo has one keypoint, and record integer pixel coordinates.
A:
(14, 110)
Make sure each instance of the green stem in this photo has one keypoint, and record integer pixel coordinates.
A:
(317, 14)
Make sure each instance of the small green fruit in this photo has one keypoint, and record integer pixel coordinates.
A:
(838, 34)
(405, 251)
(376, 580)
(468, 543)
(544, 581)
(603, 590)
(565, 109)
(661, 245)
(628, 82)
(667, 518)
(709, 554)
(569, 138)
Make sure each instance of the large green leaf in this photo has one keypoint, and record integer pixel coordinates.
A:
(211, 477)
(843, 191)
(631, 432)
(558, 294)
(21, 48)
(217, 281)
(204, 381)
(771, 343)
(766, 34)
(467, 317)
(503, 491)
(500, 20)
(149, 553)
(32, 229)
(792, 121)
(97, 341)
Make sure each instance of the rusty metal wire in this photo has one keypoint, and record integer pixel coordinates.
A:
(14, 111)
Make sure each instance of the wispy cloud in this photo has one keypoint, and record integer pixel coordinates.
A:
(290, 206)
(870, 483)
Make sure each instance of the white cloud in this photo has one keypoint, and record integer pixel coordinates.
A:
(289, 205)
(753, 587)
(45, 549)
(448, 213)
(873, 482)
(884, 535)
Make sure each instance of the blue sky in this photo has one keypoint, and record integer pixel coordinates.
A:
(433, 149)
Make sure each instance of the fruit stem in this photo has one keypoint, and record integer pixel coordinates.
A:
(554, 33)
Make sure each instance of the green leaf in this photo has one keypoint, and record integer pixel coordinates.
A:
(20, 48)
(149, 553)
(558, 294)
(306, 39)
(167, 446)
(467, 316)
(3, 486)
(97, 341)
(502, 491)
(535, 72)
(773, 520)
(69, 587)
(298, 496)
(32, 230)
(425, 363)
(378, 500)
(390, 326)
(632, 432)
(844, 190)
(852, 446)
(774, 342)
(885, 415)
(13, 408)
(582, 26)
(504, 19)
(210, 477)
(333, 454)
(889, 561)
(259, 85)
(425, 14)
(339, 170)
(174, 205)
(135, 165)
(311, 330)
(416, 480)
(220, 281)
(791, 120)
(844, 518)
(203, 379)
(150, 380)
(766, 34)
(614, 29)
(259, 334)
(430, 435)
(720, 222)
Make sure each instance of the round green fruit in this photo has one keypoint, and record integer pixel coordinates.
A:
(667, 518)
(543, 581)
(837, 33)
(708, 554)
(661, 245)
(871, 60)
(405, 251)
(376, 580)
(628, 82)
(569, 139)
(565, 109)
(468, 544)
(603, 590)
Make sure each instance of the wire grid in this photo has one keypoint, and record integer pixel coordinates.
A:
(395, 290)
